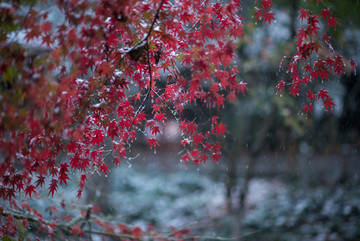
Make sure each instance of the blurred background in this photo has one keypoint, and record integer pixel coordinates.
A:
(283, 176)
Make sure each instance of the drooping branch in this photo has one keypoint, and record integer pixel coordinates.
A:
(67, 228)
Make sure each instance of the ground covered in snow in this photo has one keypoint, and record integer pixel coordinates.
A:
(275, 209)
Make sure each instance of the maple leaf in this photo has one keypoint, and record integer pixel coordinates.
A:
(103, 168)
(113, 129)
(220, 128)
(63, 173)
(241, 87)
(268, 17)
(40, 181)
(258, 13)
(266, 4)
(305, 80)
(194, 153)
(141, 117)
(197, 139)
(46, 27)
(33, 33)
(294, 90)
(153, 142)
(214, 120)
(280, 86)
(215, 157)
(191, 128)
(185, 158)
(308, 108)
(53, 187)
(219, 100)
(83, 179)
(47, 40)
(325, 13)
(232, 96)
(30, 190)
(185, 142)
(97, 138)
(307, 68)
(304, 13)
(328, 103)
(160, 117)
(311, 95)
(72, 147)
(323, 94)
(75, 162)
(203, 158)
(154, 129)
(137, 97)
(332, 21)
(339, 65)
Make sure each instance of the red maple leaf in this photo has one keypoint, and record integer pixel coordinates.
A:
(280, 86)
(304, 13)
(113, 129)
(53, 187)
(137, 97)
(266, 4)
(203, 157)
(63, 173)
(328, 103)
(40, 181)
(46, 27)
(191, 128)
(103, 168)
(325, 13)
(294, 90)
(323, 94)
(220, 128)
(72, 147)
(311, 95)
(140, 117)
(160, 117)
(30, 190)
(332, 21)
(268, 17)
(258, 13)
(153, 142)
(198, 138)
(308, 109)
(97, 138)
(241, 87)
(215, 157)
(232, 96)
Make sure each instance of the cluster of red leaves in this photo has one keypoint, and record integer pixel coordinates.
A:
(66, 100)
(264, 11)
(70, 95)
(315, 59)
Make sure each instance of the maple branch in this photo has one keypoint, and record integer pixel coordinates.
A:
(140, 44)
(87, 220)
(139, 108)
(154, 20)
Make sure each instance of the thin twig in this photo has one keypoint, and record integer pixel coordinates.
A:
(149, 65)
(155, 17)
